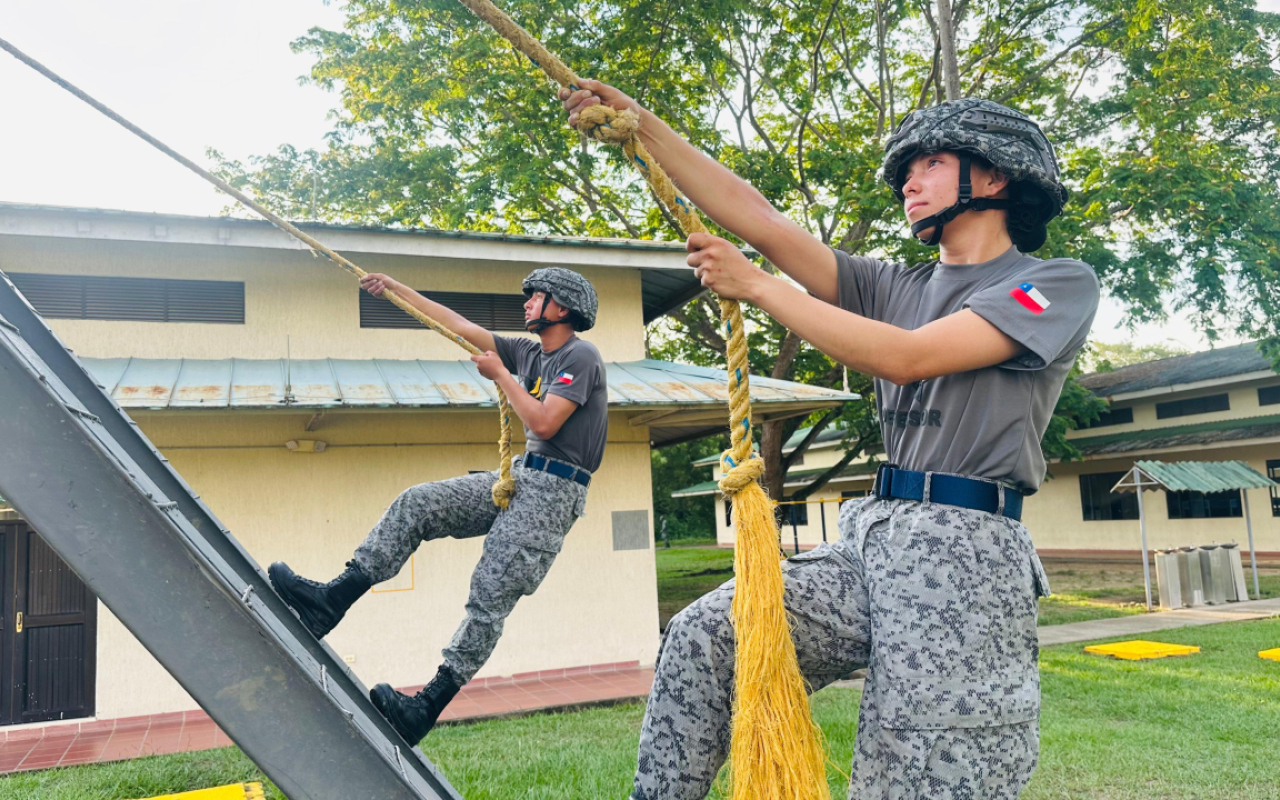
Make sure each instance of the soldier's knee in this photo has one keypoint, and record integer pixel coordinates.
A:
(705, 618)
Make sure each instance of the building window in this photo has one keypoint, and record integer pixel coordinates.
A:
(132, 299)
(1193, 405)
(852, 495)
(1115, 416)
(1098, 502)
(493, 312)
(1269, 395)
(728, 513)
(1273, 472)
(1198, 505)
(797, 514)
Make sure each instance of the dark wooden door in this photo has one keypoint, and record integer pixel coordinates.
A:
(48, 637)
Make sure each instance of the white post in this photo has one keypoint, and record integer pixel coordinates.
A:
(1142, 523)
(1253, 557)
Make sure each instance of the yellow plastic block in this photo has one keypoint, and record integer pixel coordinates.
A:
(1139, 649)
(235, 791)
(1273, 654)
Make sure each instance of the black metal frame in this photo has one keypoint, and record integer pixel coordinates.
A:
(111, 506)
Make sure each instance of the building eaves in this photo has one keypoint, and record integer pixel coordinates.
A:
(828, 437)
(384, 230)
(1195, 368)
(795, 479)
(1179, 436)
(667, 282)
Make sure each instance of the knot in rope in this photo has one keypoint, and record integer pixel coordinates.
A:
(607, 125)
(503, 491)
(739, 476)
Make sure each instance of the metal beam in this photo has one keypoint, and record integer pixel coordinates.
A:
(82, 473)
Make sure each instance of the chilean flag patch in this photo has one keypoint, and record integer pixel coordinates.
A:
(1030, 298)
(567, 378)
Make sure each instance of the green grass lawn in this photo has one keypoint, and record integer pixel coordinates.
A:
(1201, 727)
(687, 573)
(139, 778)
(1198, 727)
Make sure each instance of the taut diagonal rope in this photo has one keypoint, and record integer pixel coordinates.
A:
(504, 489)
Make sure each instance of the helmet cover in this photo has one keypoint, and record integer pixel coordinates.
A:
(1011, 141)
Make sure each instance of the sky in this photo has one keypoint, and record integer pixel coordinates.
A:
(198, 75)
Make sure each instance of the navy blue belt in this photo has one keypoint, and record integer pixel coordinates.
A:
(558, 468)
(951, 490)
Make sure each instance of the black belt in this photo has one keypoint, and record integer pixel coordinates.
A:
(558, 468)
(952, 490)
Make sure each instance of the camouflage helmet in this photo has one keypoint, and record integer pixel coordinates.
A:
(1011, 141)
(570, 290)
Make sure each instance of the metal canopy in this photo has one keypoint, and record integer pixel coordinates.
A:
(99, 493)
(1193, 476)
(1197, 476)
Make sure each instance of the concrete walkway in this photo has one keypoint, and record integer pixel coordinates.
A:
(1157, 621)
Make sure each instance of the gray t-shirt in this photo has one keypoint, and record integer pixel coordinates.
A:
(985, 423)
(574, 371)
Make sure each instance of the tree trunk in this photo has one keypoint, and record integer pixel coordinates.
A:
(771, 442)
(947, 40)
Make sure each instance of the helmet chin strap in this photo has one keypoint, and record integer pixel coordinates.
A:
(542, 323)
(965, 201)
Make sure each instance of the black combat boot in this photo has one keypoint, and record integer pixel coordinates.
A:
(320, 606)
(413, 717)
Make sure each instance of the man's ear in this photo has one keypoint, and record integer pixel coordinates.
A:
(999, 183)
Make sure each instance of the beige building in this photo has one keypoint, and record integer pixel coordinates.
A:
(1218, 405)
(298, 408)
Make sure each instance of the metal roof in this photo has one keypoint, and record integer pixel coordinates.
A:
(1224, 362)
(1203, 476)
(310, 225)
(1178, 436)
(236, 383)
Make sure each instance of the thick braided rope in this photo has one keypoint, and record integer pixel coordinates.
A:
(504, 489)
(776, 750)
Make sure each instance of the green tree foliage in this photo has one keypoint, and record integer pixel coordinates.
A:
(686, 517)
(1164, 113)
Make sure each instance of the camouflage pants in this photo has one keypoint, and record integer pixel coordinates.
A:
(937, 602)
(520, 545)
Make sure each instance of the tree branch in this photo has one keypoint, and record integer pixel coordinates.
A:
(788, 459)
(1045, 67)
(831, 472)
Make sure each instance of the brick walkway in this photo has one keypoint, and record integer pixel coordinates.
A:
(95, 741)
